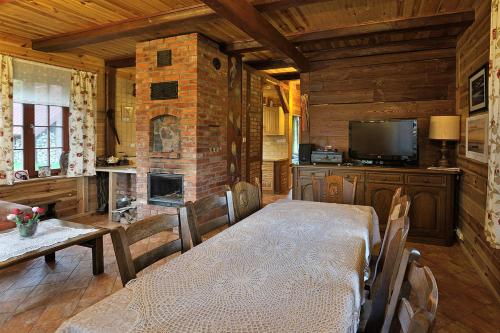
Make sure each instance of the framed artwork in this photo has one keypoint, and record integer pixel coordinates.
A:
(478, 90)
(21, 175)
(44, 172)
(476, 138)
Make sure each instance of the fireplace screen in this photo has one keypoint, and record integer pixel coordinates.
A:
(165, 189)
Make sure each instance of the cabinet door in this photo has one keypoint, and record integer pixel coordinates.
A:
(379, 196)
(427, 211)
(268, 177)
(305, 188)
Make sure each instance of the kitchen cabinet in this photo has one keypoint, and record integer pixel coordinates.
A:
(431, 192)
(275, 176)
(274, 120)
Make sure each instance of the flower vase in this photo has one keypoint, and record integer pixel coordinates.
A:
(27, 229)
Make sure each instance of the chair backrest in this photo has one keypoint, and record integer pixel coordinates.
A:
(400, 209)
(209, 213)
(122, 239)
(415, 294)
(247, 199)
(396, 197)
(334, 189)
(385, 281)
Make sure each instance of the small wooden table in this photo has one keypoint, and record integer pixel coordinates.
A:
(92, 240)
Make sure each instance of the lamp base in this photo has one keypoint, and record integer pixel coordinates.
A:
(443, 161)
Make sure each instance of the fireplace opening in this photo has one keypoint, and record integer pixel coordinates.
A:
(165, 189)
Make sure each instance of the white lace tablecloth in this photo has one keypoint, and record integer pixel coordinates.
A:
(13, 245)
(294, 266)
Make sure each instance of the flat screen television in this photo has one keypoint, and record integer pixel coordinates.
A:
(393, 140)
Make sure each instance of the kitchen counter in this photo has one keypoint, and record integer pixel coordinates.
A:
(117, 169)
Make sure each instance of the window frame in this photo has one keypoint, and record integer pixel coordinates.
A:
(29, 146)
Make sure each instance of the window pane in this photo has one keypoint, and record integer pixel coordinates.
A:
(41, 115)
(18, 114)
(56, 137)
(55, 155)
(56, 116)
(41, 137)
(41, 158)
(18, 137)
(18, 160)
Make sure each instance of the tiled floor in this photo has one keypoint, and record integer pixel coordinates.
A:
(36, 297)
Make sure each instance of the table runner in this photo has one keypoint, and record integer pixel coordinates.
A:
(12, 245)
(294, 266)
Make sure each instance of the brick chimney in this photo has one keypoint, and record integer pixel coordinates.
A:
(185, 79)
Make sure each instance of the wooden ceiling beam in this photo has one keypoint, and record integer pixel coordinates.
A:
(286, 76)
(464, 18)
(121, 63)
(246, 18)
(266, 6)
(269, 64)
(127, 28)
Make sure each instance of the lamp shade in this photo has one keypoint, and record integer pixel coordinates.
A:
(444, 128)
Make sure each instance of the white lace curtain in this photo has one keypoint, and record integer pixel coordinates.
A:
(36, 83)
(6, 129)
(492, 223)
(82, 155)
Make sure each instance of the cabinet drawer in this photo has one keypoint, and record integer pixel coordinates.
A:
(313, 172)
(434, 180)
(349, 176)
(390, 178)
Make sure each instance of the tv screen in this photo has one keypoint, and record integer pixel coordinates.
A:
(386, 140)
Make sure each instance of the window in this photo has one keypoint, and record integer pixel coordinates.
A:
(295, 139)
(41, 100)
(40, 136)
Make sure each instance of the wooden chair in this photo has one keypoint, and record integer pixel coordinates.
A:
(123, 239)
(247, 199)
(209, 213)
(414, 284)
(334, 189)
(373, 310)
(400, 207)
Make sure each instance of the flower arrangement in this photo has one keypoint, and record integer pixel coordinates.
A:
(26, 223)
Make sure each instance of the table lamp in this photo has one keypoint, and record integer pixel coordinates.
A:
(444, 128)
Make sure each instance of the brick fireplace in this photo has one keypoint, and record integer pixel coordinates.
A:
(181, 112)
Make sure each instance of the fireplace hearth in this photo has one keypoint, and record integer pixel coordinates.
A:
(165, 189)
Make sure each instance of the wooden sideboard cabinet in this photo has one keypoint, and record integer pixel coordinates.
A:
(432, 194)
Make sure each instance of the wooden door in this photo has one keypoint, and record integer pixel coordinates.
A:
(379, 196)
(427, 211)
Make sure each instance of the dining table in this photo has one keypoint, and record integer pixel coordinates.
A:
(293, 266)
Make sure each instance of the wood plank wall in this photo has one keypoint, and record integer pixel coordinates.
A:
(64, 189)
(414, 84)
(472, 53)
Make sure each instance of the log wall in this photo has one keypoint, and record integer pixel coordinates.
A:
(472, 53)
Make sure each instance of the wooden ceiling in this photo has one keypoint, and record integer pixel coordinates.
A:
(109, 29)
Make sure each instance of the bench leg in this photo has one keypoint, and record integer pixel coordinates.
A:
(50, 258)
(97, 257)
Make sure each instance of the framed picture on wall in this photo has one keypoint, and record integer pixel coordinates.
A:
(476, 138)
(478, 90)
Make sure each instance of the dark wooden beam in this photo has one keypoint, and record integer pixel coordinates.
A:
(286, 76)
(464, 18)
(121, 63)
(245, 17)
(269, 64)
(266, 6)
(283, 100)
(126, 28)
